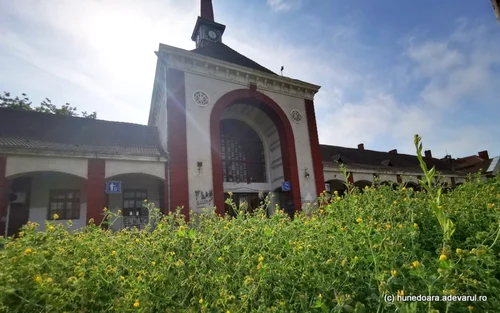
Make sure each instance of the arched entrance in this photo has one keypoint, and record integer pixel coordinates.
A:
(221, 167)
(338, 186)
(362, 184)
(42, 194)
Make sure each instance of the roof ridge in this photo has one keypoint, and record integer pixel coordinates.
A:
(61, 116)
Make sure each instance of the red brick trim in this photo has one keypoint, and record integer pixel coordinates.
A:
(351, 178)
(96, 195)
(287, 141)
(315, 150)
(177, 141)
(4, 188)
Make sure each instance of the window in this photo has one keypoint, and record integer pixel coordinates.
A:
(134, 212)
(243, 157)
(64, 203)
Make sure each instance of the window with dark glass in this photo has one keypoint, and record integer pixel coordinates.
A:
(243, 158)
(64, 203)
(133, 203)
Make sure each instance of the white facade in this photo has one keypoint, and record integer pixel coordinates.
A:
(215, 79)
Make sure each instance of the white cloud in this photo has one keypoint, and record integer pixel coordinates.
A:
(283, 5)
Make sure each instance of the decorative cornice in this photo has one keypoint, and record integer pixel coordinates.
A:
(194, 63)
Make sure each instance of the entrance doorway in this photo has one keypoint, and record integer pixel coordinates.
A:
(248, 202)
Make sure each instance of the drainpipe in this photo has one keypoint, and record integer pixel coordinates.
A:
(169, 205)
(7, 220)
(168, 182)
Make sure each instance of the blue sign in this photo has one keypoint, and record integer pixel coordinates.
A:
(286, 186)
(113, 186)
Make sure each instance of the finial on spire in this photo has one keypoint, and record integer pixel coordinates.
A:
(207, 10)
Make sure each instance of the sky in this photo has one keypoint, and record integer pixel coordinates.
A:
(387, 69)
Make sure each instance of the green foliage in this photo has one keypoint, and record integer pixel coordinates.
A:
(349, 254)
(46, 106)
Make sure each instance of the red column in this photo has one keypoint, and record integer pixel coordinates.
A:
(177, 142)
(4, 186)
(96, 196)
(315, 149)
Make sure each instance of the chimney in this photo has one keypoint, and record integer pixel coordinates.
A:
(428, 154)
(483, 155)
(394, 151)
(361, 147)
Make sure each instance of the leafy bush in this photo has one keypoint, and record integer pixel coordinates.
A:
(346, 255)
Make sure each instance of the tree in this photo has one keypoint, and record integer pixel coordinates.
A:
(46, 106)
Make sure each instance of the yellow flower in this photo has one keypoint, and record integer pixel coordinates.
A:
(490, 205)
(28, 251)
(136, 304)
(201, 300)
(51, 228)
(137, 241)
(443, 257)
(415, 225)
(84, 260)
(49, 280)
(219, 259)
(320, 296)
(395, 202)
(261, 258)
(56, 216)
(470, 307)
(80, 274)
(394, 273)
(122, 278)
(367, 187)
(119, 211)
(38, 279)
(401, 293)
(359, 220)
(415, 264)
(400, 226)
(459, 251)
(153, 263)
(338, 198)
(113, 253)
(335, 192)
(404, 188)
(230, 193)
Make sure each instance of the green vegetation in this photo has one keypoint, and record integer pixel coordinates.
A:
(46, 106)
(349, 254)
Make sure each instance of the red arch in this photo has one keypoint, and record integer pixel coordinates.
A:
(287, 141)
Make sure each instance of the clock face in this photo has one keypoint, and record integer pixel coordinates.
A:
(212, 34)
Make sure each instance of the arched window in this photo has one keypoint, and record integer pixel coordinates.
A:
(242, 151)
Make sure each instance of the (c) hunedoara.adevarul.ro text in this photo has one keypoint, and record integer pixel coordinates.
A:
(428, 298)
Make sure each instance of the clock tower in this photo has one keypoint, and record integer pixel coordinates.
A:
(206, 30)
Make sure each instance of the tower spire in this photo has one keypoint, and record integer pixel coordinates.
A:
(207, 31)
(207, 10)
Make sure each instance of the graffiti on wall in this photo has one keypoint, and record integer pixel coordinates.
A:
(204, 198)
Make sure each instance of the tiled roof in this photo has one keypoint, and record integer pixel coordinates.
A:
(42, 131)
(466, 162)
(379, 161)
(222, 52)
(477, 167)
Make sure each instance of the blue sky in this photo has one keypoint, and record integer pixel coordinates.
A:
(388, 69)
